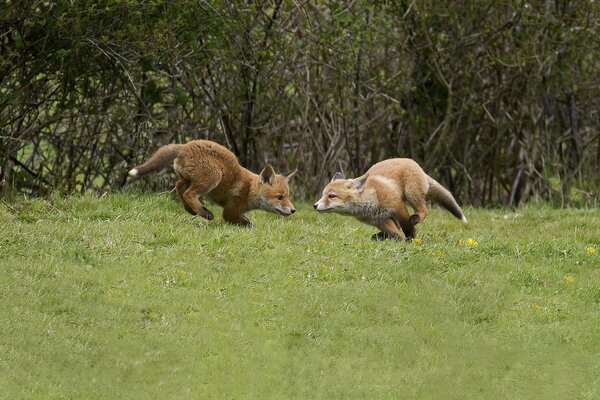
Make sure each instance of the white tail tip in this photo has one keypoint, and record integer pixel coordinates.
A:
(464, 219)
(133, 172)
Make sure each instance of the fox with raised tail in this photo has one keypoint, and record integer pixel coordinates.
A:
(379, 197)
(206, 168)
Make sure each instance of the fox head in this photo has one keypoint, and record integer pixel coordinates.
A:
(341, 194)
(273, 192)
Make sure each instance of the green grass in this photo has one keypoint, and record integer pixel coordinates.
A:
(128, 296)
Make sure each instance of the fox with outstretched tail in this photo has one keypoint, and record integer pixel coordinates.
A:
(379, 197)
(206, 168)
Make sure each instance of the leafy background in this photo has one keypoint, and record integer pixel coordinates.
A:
(498, 100)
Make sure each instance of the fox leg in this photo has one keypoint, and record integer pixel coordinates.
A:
(404, 221)
(181, 186)
(198, 189)
(232, 215)
(389, 230)
(416, 198)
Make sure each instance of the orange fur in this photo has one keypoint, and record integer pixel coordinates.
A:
(205, 168)
(380, 196)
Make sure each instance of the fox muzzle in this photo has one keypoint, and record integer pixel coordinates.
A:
(321, 207)
(285, 211)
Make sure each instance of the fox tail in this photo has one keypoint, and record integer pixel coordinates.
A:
(159, 160)
(443, 197)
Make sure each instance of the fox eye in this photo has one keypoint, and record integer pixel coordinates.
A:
(280, 197)
(332, 196)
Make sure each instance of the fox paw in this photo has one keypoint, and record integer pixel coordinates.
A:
(247, 223)
(384, 236)
(243, 222)
(205, 213)
(414, 219)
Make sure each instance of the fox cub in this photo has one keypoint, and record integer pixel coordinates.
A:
(205, 168)
(379, 197)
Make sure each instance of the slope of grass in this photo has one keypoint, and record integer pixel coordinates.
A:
(128, 296)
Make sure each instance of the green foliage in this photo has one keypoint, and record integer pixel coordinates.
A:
(491, 97)
(127, 296)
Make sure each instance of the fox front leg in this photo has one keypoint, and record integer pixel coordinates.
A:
(389, 230)
(384, 236)
(233, 217)
(242, 221)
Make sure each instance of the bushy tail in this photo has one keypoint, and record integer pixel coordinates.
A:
(159, 160)
(443, 197)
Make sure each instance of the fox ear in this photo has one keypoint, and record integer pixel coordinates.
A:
(358, 183)
(290, 174)
(338, 175)
(267, 175)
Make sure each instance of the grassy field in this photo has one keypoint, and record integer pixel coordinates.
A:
(128, 296)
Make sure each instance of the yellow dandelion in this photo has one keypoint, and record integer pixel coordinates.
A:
(569, 279)
(323, 266)
(536, 307)
(472, 242)
(440, 253)
(417, 241)
(590, 250)
(323, 241)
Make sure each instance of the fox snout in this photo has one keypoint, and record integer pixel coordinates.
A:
(319, 206)
(286, 211)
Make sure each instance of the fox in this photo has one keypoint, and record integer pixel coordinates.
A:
(379, 197)
(205, 168)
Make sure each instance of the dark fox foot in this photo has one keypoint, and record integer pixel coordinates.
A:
(247, 223)
(205, 213)
(384, 236)
(414, 219)
(243, 222)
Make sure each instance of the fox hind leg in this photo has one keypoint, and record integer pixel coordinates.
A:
(403, 218)
(181, 186)
(198, 189)
(409, 230)
(416, 198)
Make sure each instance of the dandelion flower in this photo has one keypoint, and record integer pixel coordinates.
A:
(440, 253)
(472, 242)
(590, 250)
(323, 241)
(569, 279)
(417, 241)
(536, 307)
